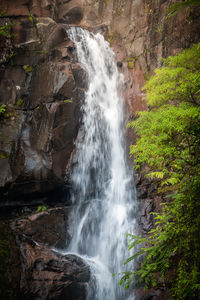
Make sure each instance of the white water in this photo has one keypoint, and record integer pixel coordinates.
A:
(101, 181)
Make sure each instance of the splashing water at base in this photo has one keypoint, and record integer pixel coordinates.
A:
(102, 195)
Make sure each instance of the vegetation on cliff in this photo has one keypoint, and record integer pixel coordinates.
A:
(169, 147)
(179, 6)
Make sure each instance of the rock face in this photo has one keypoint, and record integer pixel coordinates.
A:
(49, 275)
(33, 269)
(48, 228)
(42, 86)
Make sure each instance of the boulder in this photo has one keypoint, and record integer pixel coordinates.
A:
(47, 274)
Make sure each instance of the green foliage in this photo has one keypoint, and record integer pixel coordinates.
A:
(28, 69)
(4, 155)
(179, 6)
(20, 102)
(6, 111)
(31, 17)
(169, 147)
(130, 65)
(41, 208)
(2, 109)
(5, 30)
(2, 14)
(131, 62)
(178, 80)
(10, 57)
(68, 101)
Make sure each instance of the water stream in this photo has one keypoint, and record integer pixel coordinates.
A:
(102, 194)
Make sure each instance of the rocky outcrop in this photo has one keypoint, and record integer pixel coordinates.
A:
(42, 87)
(31, 269)
(49, 228)
(140, 35)
(47, 274)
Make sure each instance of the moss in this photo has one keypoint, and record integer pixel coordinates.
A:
(2, 14)
(37, 107)
(4, 155)
(10, 57)
(20, 102)
(30, 17)
(131, 61)
(68, 101)
(2, 109)
(6, 112)
(159, 28)
(5, 30)
(130, 65)
(28, 69)
(110, 38)
(147, 76)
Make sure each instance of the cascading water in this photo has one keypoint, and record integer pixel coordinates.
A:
(102, 195)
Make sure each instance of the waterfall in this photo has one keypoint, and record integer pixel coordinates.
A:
(102, 195)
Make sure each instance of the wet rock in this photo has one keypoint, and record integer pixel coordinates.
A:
(42, 272)
(80, 76)
(151, 294)
(65, 129)
(71, 12)
(25, 34)
(40, 158)
(8, 142)
(119, 64)
(46, 82)
(146, 218)
(12, 84)
(48, 96)
(73, 16)
(50, 33)
(48, 228)
(49, 275)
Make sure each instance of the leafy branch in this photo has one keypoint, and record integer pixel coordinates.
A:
(169, 145)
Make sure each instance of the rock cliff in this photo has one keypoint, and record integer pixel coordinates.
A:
(42, 86)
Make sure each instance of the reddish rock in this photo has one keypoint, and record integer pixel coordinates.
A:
(47, 84)
(70, 12)
(20, 7)
(44, 86)
(50, 275)
(48, 228)
(44, 8)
